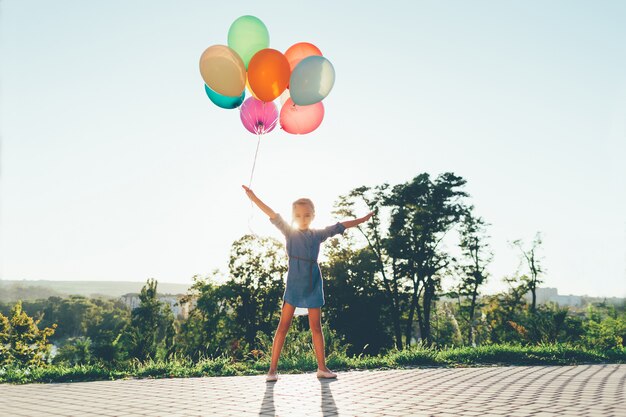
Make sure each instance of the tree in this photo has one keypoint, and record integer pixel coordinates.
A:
(445, 328)
(21, 341)
(105, 330)
(376, 236)
(530, 256)
(410, 257)
(476, 256)
(356, 304)
(152, 330)
(5, 336)
(423, 212)
(73, 316)
(205, 331)
(100, 320)
(503, 312)
(256, 285)
(604, 328)
(76, 351)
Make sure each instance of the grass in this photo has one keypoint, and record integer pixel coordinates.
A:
(305, 362)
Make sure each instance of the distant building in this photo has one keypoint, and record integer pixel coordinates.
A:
(551, 295)
(180, 310)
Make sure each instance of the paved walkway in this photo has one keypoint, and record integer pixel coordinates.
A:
(586, 390)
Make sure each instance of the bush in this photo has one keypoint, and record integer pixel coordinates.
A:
(605, 335)
(76, 351)
(21, 340)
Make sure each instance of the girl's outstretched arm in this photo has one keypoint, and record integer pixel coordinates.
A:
(264, 208)
(356, 222)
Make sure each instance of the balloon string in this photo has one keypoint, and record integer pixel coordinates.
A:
(255, 155)
(250, 186)
(252, 232)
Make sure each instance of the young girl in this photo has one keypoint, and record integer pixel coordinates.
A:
(304, 280)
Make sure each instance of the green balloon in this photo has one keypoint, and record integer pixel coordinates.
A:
(247, 36)
(224, 102)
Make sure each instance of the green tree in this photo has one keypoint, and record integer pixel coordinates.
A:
(255, 286)
(375, 233)
(547, 324)
(105, 330)
(76, 351)
(531, 258)
(476, 256)
(356, 304)
(604, 327)
(23, 342)
(5, 338)
(503, 312)
(99, 319)
(205, 332)
(422, 213)
(151, 333)
(445, 327)
(409, 253)
(72, 314)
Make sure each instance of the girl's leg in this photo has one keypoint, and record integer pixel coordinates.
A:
(315, 323)
(281, 332)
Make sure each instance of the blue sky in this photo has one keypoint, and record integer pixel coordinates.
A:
(116, 166)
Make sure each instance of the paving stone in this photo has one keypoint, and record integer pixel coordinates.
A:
(596, 390)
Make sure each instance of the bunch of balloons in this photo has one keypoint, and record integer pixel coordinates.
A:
(300, 78)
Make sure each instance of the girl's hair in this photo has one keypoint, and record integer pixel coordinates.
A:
(303, 201)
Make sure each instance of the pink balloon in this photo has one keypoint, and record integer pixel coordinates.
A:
(300, 120)
(258, 117)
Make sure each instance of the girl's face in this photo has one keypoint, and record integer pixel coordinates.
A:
(303, 215)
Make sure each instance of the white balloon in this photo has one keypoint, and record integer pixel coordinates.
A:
(311, 80)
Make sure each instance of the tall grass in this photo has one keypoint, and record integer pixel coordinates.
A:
(297, 360)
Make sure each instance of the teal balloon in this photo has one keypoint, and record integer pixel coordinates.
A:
(311, 80)
(247, 36)
(225, 102)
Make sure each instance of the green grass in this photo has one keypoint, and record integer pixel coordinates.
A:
(305, 362)
(527, 355)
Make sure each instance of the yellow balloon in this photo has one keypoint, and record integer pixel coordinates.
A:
(223, 70)
(250, 89)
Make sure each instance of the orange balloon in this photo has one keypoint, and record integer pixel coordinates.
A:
(268, 74)
(299, 51)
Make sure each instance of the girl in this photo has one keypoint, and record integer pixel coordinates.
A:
(304, 280)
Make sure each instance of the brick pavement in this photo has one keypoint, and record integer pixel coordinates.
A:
(585, 390)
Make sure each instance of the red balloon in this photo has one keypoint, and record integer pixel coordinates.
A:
(300, 120)
(299, 51)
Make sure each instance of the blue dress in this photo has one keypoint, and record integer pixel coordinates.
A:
(304, 280)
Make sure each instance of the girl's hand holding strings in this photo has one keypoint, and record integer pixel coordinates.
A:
(264, 208)
(249, 192)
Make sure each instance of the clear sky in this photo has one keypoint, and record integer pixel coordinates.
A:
(116, 166)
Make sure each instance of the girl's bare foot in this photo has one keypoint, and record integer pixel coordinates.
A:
(271, 376)
(326, 373)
